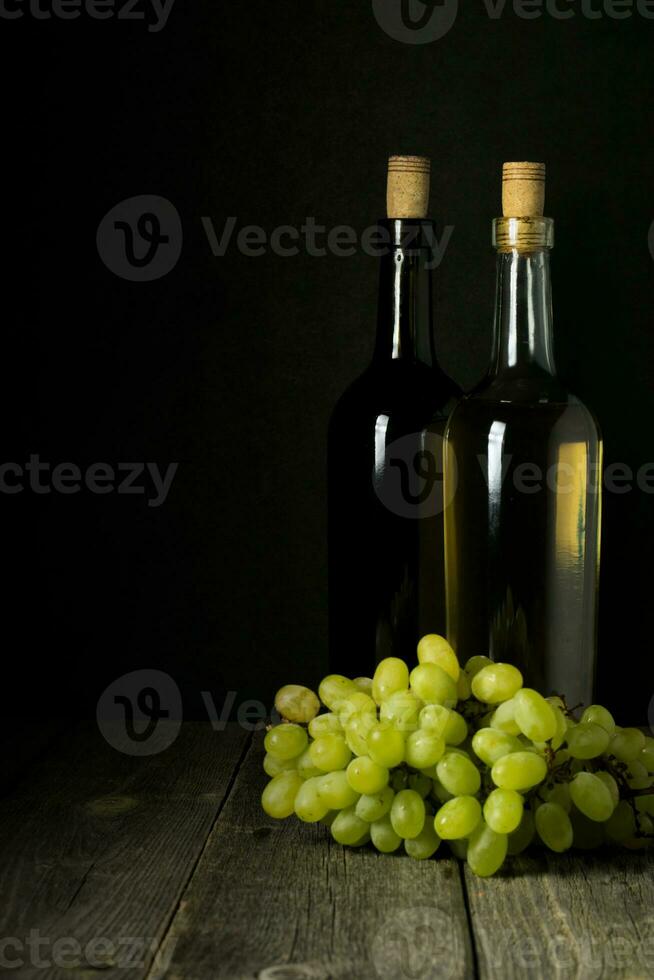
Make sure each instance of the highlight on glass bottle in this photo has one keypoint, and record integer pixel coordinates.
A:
(522, 528)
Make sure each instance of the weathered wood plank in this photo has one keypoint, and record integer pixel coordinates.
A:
(279, 900)
(97, 846)
(581, 915)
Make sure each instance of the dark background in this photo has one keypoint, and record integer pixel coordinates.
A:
(230, 366)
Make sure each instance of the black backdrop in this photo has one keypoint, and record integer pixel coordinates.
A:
(270, 113)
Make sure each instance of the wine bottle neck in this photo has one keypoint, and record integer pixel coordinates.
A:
(405, 300)
(523, 314)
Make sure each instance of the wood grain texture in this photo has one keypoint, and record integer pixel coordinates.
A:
(97, 846)
(278, 900)
(581, 915)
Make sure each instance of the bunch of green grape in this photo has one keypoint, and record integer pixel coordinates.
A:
(468, 756)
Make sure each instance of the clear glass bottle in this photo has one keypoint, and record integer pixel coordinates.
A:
(523, 481)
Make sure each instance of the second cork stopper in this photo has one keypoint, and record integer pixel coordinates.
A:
(407, 190)
(523, 190)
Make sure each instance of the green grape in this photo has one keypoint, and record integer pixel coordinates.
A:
(637, 775)
(456, 729)
(391, 675)
(434, 649)
(433, 685)
(587, 740)
(441, 794)
(643, 826)
(645, 804)
(496, 682)
(322, 724)
(309, 805)
(627, 744)
(560, 794)
(354, 704)
(408, 813)
(305, 765)
(558, 737)
(591, 796)
(363, 684)
(402, 710)
(347, 828)
(587, 834)
(425, 844)
(399, 779)
(297, 703)
(554, 827)
(490, 744)
(534, 716)
(333, 689)
(424, 749)
(621, 824)
(357, 731)
(646, 756)
(434, 718)
(286, 741)
(486, 850)
(523, 835)
(519, 771)
(329, 818)
(458, 774)
(366, 776)
(463, 688)
(503, 718)
(599, 716)
(330, 752)
(386, 745)
(278, 798)
(374, 807)
(421, 784)
(459, 847)
(273, 766)
(336, 792)
(458, 817)
(611, 785)
(383, 836)
(503, 810)
(475, 664)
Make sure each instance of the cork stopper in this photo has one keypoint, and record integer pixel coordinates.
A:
(523, 190)
(407, 191)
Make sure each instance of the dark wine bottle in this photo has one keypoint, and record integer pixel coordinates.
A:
(523, 477)
(386, 549)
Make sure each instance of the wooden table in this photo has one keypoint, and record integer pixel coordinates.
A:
(165, 865)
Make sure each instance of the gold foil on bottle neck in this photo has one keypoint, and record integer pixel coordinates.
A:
(523, 234)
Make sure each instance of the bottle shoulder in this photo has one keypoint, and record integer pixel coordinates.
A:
(543, 407)
(398, 386)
